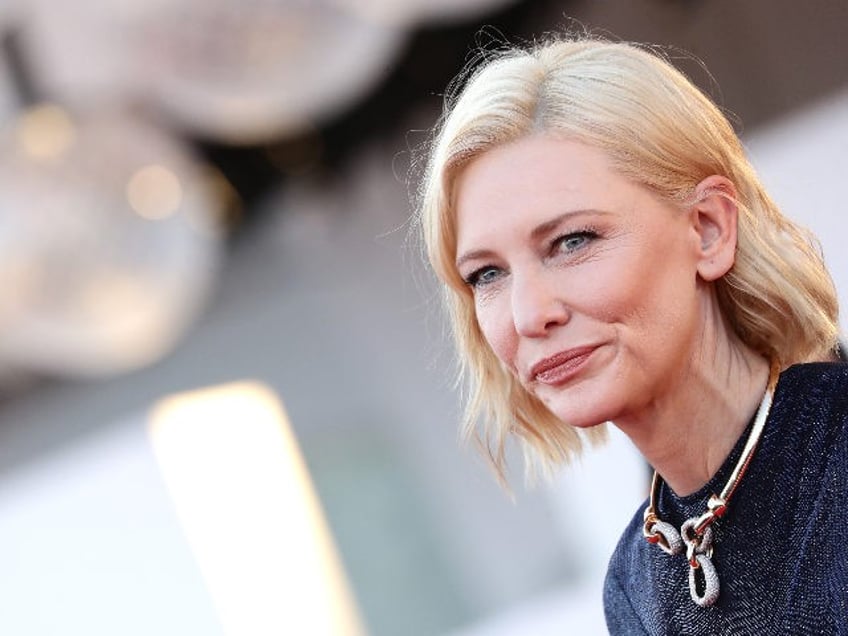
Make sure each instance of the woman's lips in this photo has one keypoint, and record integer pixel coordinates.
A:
(561, 367)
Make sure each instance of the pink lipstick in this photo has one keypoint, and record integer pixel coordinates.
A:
(561, 367)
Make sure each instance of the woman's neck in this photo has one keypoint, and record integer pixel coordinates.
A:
(687, 434)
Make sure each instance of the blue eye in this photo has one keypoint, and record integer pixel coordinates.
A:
(483, 276)
(574, 241)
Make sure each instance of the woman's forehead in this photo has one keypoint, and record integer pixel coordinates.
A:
(532, 181)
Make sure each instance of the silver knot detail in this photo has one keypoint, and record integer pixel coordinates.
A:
(699, 552)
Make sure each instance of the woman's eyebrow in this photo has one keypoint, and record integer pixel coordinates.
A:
(547, 226)
(473, 255)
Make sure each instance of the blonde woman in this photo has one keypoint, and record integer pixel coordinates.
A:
(609, 255)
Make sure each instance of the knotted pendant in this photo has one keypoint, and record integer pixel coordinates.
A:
(699, 552)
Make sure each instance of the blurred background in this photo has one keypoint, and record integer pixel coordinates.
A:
(200, 192)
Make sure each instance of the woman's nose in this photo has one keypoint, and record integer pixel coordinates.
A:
(537, 305)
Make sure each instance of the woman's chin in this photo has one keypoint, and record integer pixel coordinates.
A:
(579, 419)
(579, 411)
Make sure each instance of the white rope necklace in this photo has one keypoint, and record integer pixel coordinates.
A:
(696, 533)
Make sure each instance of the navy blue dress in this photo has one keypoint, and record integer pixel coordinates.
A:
(781, 551)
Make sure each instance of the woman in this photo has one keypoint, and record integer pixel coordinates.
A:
(609, 255)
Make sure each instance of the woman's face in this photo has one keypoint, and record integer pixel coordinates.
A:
(585, 285)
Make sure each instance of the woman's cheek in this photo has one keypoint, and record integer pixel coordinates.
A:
(495, 324)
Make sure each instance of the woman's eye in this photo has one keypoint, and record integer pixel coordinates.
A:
(574, 241)
(483, 276)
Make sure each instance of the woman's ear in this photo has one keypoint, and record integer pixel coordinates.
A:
(714, 216)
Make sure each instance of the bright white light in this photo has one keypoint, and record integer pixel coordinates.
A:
(246, 503)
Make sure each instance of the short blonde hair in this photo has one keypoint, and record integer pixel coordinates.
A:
(658, 130)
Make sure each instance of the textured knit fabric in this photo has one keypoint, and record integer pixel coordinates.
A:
(781, 551)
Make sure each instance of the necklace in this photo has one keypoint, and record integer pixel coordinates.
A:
(696, 533)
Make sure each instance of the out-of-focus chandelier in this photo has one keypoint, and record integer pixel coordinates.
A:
(108, 242)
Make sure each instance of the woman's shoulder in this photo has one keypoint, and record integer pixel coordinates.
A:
(808, 424)
(808, 428)
(823, 383)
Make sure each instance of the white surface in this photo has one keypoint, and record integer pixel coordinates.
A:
(803, 161)
(89, 546)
